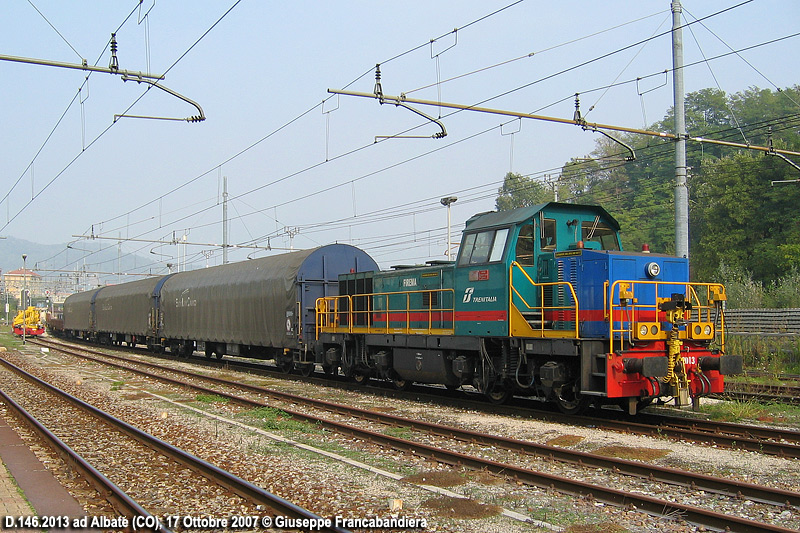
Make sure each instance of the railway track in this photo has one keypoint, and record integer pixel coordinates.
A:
(647, 472)
(123, 504)
(181, 478)
(769, 440)
(783, 394)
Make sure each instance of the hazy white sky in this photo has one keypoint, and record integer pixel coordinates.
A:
(303, 168)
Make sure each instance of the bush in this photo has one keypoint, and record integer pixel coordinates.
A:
(746, 293)
(743, 292)
(784, 292)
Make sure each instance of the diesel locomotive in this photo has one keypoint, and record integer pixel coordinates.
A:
(541, 301)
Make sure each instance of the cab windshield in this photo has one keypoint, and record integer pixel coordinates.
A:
(483, 247)
(595, 231)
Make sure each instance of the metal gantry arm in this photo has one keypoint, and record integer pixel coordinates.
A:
(83, 66)
(399, 101)
(593, 127)
(772, 151)
(113, 68)
(154, 83)
(517, 114)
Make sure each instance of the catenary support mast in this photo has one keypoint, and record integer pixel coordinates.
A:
(681, 189)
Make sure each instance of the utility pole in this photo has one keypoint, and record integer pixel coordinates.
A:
(224, 220)
(681, 188)
(447, 202)
(22, 300)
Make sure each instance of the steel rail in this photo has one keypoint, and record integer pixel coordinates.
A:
(771, 441)
(232, 482)
(651, 505)
(673, 476)
(750, 438)
(118, 499)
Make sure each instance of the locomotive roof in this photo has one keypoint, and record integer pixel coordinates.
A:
(515, 216)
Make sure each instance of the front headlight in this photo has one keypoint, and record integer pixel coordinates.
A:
(652, 270)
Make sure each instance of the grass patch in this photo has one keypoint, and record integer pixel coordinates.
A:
(602, 527)
(437, 479)
(734, 411)
(564, 440)
(774, 354)
(117, 385)
(9, 340)
(273, 419)
(211, 398)
(627, 452)
(400, 432)
(461, 508)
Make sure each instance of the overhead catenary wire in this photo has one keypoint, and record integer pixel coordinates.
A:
(341, 155)
(104, 131)
(489, 195)
(394, 58)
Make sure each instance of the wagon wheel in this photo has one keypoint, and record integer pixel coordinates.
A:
(306, 369)
(402, 384)
(285, 365)
(360, 378)
(498, 393)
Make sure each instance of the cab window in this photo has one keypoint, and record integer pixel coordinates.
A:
(548, 241)
(594, 231)
(524, 251)
(483, 247)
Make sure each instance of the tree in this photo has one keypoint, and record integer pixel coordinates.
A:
(736, 217)
(521, 191)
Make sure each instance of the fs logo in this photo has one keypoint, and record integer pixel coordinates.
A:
(468, 294)
(477, 299)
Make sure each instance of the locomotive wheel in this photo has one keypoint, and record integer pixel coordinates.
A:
(306, 369)
(329, 370)
(569, 401)
(360, 378)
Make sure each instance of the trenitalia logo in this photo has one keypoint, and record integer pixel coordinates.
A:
(478, 299)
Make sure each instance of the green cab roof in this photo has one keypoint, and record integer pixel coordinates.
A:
(492, 219)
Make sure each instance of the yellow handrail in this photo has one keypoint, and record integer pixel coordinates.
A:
(542, 308)
(332, 318)
(704, 298)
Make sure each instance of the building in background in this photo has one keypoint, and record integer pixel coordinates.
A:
(15, 280)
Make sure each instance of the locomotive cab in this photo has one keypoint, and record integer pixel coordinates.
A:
(505, 255)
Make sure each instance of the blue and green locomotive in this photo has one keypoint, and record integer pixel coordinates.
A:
(541, 301)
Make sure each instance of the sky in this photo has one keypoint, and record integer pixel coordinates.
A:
(302, 166)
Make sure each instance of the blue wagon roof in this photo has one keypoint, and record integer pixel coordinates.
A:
(515, 216)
